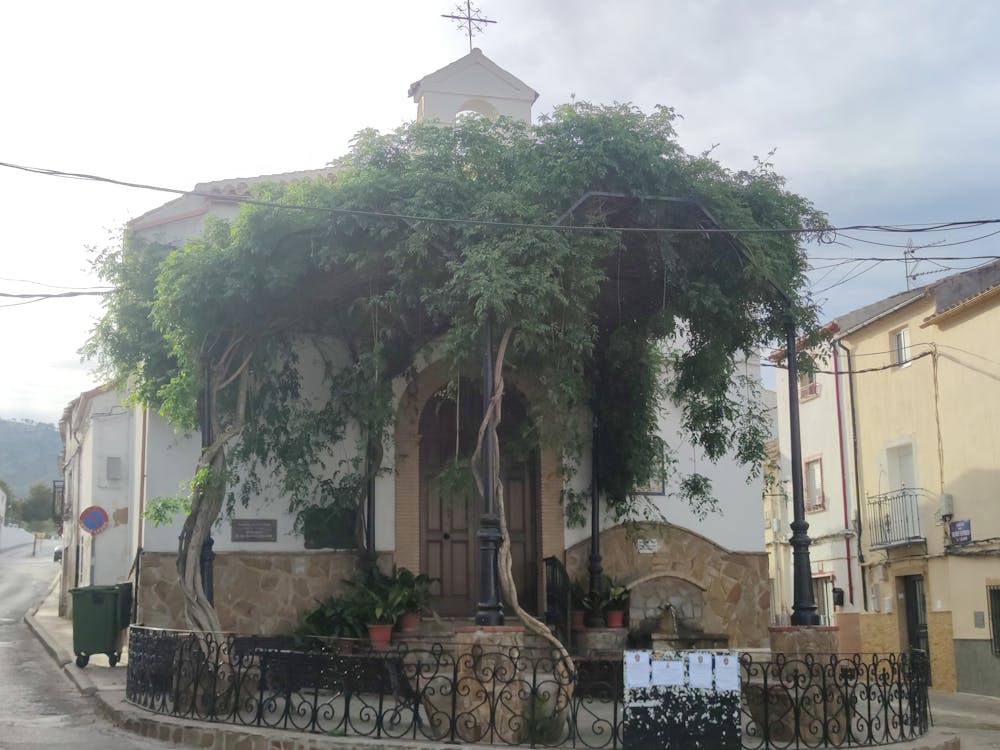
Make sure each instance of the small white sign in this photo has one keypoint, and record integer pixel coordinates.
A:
(727, 672)
(637, 669)
(647, 546)
(700, 670)
(668, 672)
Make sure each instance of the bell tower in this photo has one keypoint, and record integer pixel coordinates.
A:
(473, 83)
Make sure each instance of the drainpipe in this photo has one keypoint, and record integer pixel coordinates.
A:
(857, 472)
(142, 477)
(843, 473)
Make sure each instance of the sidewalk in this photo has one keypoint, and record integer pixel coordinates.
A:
(106, 684)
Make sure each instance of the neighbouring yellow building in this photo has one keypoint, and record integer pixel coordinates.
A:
(925, 384)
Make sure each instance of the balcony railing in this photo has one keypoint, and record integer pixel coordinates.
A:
(894, 518)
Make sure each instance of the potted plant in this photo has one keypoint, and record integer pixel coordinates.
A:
(615, 601)
(417, 588)
(382, 599)
(581, 602)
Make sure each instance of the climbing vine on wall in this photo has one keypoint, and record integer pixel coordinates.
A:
(426, 233)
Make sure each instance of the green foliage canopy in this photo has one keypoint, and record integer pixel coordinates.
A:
(425, 234)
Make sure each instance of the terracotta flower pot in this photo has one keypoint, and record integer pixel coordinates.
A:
(380, 635)
(409, 621)
(576, 619)
(616, 618)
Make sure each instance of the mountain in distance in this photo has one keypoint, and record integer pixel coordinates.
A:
(29, 453)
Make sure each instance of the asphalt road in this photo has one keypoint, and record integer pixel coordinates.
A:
(40, 709)
(979, 739)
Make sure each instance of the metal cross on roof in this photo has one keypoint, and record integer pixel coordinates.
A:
(472, 19)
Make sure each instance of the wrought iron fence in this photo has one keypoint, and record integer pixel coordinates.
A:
(848, 701)
(505, 696)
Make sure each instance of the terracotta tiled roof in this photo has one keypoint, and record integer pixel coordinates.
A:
(241, 185)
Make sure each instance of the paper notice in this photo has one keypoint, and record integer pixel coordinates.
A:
(700, 670)
(727, 672)
(668, 672)
(636, 669)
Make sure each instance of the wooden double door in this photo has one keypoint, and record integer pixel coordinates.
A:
(451, 506)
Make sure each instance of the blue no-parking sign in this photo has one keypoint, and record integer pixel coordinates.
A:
(94, 519)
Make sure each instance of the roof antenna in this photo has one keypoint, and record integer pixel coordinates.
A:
(910, 261)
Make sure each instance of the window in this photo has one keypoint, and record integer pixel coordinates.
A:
(113, 467)
(822, 589)
(814, 484)
(900, 345)
(808, 387)
(993, 594)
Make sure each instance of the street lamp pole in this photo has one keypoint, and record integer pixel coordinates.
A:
(803, 602)
(489, 609)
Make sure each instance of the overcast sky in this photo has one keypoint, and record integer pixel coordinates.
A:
(881, 113)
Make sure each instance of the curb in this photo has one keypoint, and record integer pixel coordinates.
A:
(948, 720)
(62, 657)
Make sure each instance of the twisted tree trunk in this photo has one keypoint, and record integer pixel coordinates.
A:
(208, 493)
(206, 504)
(491, 421)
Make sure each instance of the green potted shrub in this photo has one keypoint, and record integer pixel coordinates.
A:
(417, 588)
(581, 602)
(381, 599)
(615, 599)
(334, 617)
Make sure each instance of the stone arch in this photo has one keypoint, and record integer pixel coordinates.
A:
(427, 382)
(733, 585)
(479, 107)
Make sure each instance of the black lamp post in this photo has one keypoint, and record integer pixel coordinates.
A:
(489, 608)
(803, 601)
(595, 618)
(207, 556)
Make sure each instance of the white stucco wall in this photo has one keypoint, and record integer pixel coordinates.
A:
(738, 525)
(821, 439)
(107, 434)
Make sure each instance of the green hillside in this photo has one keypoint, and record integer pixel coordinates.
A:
(29, 453)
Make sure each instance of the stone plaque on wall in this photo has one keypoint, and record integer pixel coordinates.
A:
(254, 530)
(647, 546)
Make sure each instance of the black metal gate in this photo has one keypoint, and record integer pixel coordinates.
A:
(916, 616)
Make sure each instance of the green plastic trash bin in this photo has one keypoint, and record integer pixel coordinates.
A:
(99, 618)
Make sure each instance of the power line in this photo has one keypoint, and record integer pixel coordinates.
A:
(894, 365)
(55, 295)
(891, 228)
(936, 244)
(56, 286)
(927, 257)
(850, 276)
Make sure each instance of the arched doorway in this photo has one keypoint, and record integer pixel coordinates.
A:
(450, 506)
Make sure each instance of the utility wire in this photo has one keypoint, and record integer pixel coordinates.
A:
(897, 228)
(54, 295)
(926, 257)
(894, 365)
(903, 247)
(57, 286)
